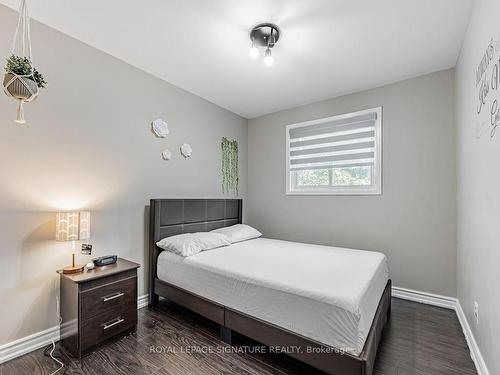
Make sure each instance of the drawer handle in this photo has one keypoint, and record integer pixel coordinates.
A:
(109, 325)
(109, 298)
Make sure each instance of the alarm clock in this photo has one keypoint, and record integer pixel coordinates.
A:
(105, 260)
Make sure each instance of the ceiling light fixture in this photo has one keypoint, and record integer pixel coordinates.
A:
(254, 52)
(264, 35)
(268, 58)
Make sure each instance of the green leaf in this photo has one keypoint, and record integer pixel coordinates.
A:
(230, 175)
(21, 65)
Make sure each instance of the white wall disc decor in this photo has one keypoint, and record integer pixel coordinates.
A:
(160, 128)
(186, 150)
(166, 154)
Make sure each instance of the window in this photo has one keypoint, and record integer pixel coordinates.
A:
(336, 155)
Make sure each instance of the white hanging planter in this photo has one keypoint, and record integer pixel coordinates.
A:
(20, 87)
(22, 81)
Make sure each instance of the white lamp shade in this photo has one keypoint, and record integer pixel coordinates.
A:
(84, 225)
(72, 226)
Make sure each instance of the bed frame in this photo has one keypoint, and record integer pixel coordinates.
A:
(175, 216)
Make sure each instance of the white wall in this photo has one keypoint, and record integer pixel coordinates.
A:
(413, 221)
(478, 172)
(87, 144)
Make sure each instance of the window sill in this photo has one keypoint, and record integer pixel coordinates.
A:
(336, 192)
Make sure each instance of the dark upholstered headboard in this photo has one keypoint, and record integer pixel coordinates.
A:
(169, 217)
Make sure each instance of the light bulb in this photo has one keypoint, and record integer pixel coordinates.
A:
(268, 58)
(254, 52)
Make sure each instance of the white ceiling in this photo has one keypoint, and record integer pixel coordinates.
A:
(328, 47)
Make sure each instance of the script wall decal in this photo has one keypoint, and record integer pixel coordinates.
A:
(488, 90)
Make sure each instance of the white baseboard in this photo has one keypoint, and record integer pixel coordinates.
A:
(475, 353)
(28, 344)
(423, 297)
(38, 340)
(142, 301)
(448, 303)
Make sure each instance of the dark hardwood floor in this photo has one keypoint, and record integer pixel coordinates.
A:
(418, 339)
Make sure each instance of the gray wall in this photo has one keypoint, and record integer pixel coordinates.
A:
(478, 198)
(87, 144)
(412, 222)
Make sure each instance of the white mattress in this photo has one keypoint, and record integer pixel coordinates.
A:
(325, 293)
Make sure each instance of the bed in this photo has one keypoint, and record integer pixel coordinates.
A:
(330, 303)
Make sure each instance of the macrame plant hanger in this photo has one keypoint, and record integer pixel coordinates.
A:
(22, 87)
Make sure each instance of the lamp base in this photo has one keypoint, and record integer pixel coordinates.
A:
(73, 269)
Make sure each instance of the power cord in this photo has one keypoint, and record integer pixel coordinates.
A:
(50, 354)
(52, 347)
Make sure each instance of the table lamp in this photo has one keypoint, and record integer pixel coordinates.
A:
(73, 226)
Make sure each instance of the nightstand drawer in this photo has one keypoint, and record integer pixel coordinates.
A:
(106, 325)
(119, 294)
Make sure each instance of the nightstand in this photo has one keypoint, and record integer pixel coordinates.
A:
(97, 305)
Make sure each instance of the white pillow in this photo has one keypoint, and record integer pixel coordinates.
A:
(192, 243)
(239, 232)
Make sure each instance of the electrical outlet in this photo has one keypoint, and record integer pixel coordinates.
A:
(476, 312)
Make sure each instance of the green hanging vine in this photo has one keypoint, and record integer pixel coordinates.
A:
(230, 178)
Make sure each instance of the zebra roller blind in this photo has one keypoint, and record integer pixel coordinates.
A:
(341, 141)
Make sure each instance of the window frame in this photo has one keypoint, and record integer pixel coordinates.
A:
(374, 189)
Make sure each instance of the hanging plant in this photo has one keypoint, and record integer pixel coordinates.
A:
(230, 178)
(22, 80)
(21, 66)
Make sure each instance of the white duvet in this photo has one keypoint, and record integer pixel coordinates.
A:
(325, 293)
